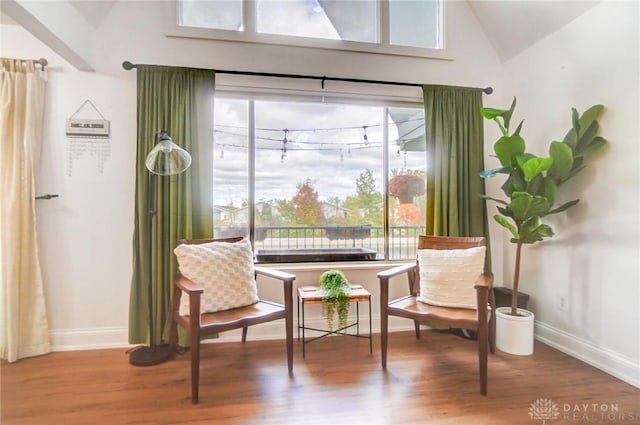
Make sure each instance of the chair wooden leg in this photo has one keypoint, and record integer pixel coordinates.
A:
(492, 321)
(244, 334)
(384, 335)
(483, 367)
(289, 331)
(482, 357)
(195, 369)
(173, 339)
(416, 325)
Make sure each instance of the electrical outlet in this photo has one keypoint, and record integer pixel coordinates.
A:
(563, 303)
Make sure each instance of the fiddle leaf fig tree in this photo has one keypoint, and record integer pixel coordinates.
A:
(532, 182)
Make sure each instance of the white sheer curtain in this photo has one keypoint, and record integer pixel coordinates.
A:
(24, 330)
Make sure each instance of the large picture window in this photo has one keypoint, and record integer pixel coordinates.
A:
(315, 176)
(405, 27)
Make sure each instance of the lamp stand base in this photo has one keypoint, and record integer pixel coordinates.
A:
(149, 356)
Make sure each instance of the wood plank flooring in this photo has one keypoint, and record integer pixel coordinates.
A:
(433, 380)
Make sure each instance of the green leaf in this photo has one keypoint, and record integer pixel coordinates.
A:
(533, 230)
(549, 189)
(581, 125)
(524, 206)
(507, 148)
(505, 212)
(517, 132)
(597, 143)
(588, 117)
(506, 224)
(577, 163)
(507, 116)
(571, 139)
(562, 161)
(575, 118)
(535, 166)
(491, 113)
(585, 139)
(563, 207)
(534, 187)
(515, 183)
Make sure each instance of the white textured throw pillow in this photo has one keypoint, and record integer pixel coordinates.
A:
(223, 269)
(447, 277)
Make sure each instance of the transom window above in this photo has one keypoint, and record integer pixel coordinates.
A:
(405, 27)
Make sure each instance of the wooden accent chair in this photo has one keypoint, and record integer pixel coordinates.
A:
(201, 324)
(480, 320)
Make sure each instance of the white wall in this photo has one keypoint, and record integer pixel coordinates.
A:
(593, 261)
(85, 234)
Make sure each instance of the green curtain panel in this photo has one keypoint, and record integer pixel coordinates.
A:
(455, 156)
(179, 100)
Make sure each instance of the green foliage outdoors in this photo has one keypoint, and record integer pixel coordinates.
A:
(307, 211)
(532, 182)
(305, 208)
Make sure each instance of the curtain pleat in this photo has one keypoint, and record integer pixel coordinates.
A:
(455, 157)
(24, 329)
(179, 100)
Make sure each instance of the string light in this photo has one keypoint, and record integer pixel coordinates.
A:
(305, 145)
(284, 142)
(291, 130)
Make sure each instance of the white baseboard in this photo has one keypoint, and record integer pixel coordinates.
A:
(88, 339)
(606, 360)
(102, 338)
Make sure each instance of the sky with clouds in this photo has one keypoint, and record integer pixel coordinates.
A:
(325, 144)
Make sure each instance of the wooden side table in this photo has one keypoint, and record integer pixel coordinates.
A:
(313, 295)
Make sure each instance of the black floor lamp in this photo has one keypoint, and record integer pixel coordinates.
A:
(165, 159)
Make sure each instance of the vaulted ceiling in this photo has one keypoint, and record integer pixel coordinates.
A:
(510, 25)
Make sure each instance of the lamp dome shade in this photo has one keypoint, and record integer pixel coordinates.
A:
(166, 158)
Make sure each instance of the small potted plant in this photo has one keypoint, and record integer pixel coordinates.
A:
(405, 187)
(335, 299)
(531, 187)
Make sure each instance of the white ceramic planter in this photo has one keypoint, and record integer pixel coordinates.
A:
(514, 334)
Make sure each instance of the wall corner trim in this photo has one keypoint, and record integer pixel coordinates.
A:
(601, 358)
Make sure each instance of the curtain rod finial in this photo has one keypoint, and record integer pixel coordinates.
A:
(488, 90)
(128, 65)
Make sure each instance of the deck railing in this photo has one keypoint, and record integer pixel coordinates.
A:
(402, 239)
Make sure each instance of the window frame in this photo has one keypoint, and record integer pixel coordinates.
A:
(383, 46)
(349, 95)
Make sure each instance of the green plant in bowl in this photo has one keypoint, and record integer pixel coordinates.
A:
(335, 299)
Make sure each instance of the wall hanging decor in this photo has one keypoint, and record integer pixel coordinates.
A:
(88, 132)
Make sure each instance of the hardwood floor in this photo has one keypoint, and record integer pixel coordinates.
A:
(433, 380)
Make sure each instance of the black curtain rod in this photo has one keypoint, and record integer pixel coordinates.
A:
(129, 66)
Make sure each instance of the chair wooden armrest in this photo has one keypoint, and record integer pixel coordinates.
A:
(187, 285)
(275, 274)
(395, 271)
(484, 280)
